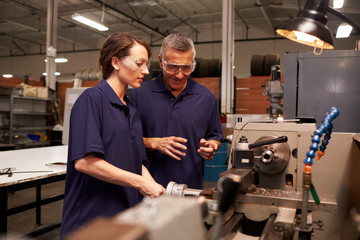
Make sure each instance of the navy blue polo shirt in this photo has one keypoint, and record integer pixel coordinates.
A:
(192, 115)
(100, 123)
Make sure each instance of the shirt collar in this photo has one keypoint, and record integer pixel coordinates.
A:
(110, 93)
(159, 86)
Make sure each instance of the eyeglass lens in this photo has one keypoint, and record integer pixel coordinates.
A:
(174, 68)
(142, 63)
(137, 64)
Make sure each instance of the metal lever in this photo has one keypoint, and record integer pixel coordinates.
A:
(267, 142)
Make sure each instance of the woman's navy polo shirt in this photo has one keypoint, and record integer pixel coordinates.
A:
(192, 115)
(100, 123)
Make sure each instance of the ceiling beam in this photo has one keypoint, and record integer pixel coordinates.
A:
(131, 18)
(172, 13)
(258, 2)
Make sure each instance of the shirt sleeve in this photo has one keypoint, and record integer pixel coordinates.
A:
(85, 127)
(214, 128)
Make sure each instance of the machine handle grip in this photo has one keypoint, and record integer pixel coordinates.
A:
(229, 185)
(267, 142)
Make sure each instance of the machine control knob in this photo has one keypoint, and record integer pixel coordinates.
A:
(267, 156)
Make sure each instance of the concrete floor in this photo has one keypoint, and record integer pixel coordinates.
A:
(22, 223)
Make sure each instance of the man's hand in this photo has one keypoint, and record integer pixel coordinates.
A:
(208, 149)
(171, 146)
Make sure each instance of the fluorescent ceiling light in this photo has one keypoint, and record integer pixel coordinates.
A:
(56, 74)
(338, 3)
(7, 75)
(343, 30)
(59, 60)
(89, 22)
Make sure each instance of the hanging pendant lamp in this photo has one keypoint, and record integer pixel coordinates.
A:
(309, 26)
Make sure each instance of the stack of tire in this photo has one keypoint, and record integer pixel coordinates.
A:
(261, 64)
(207, 68)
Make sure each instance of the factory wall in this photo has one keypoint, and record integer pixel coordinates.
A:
(34, 65)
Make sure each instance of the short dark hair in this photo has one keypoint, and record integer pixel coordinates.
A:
(118, 45)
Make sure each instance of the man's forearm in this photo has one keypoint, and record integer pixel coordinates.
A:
(149, 144)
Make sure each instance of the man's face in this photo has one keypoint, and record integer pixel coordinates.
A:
(176, 68)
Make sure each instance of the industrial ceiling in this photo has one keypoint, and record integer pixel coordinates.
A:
(23, 23)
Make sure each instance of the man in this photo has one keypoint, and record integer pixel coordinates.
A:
(180, 118)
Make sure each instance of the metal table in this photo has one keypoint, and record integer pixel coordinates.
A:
(32, 167)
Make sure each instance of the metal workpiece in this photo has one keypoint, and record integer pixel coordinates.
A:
(282, 198)
(181, 190)
(175, 189)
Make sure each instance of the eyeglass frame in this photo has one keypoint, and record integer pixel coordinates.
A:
(140, 69)
(193, 66)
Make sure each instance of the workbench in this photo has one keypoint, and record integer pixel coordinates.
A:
(30, 168)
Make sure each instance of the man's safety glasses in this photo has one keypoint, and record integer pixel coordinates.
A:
(136, 64)
(174, 68)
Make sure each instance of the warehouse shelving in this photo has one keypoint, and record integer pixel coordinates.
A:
(22, 115)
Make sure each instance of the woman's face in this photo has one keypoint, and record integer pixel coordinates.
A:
(133, 68)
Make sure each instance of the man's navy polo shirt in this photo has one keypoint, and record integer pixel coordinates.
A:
(100, 123)
(192, 115)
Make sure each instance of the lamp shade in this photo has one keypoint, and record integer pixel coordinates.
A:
(309, 26)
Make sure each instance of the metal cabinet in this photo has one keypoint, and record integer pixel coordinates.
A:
(27, 121)
(314, 83)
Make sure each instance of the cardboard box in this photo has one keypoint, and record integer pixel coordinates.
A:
(42, 92)
(29, 91)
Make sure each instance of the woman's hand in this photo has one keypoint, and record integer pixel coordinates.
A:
(102, 170)
(150, 188)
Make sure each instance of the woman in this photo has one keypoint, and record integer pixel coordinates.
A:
(105, 174)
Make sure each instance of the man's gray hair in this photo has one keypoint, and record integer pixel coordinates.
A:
(178, 42)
